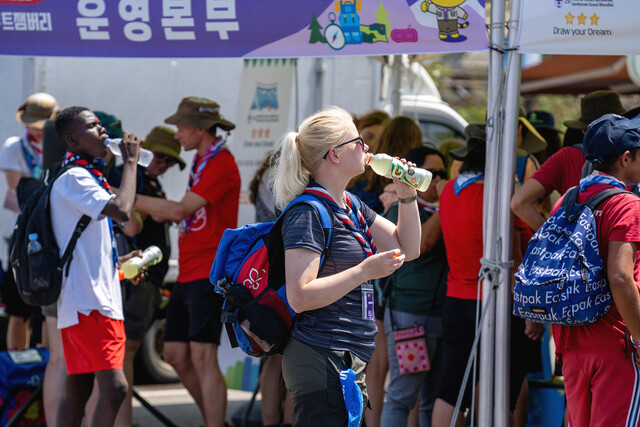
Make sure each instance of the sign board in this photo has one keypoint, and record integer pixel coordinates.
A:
(230, 28)
(580, 27)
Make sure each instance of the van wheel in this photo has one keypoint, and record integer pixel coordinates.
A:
(150, 357)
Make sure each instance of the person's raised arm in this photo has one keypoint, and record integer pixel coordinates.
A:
(524, 200)
(305, 291)
(167, 210)
(624, 290)
(119, 208)
(404, 236)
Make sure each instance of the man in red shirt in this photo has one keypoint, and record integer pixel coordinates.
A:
(210, 205)
(564, 169)
(600, 377)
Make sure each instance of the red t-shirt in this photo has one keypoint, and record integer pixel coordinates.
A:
(617, 219)
(219, 184)
(561, 171)
(461, 222)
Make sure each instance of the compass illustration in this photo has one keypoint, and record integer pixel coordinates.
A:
(333, 34)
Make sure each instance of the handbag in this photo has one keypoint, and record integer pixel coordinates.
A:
(411, 349)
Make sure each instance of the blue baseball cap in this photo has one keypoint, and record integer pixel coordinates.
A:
(609, 136)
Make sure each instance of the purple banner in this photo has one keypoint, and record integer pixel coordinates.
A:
(229, 28)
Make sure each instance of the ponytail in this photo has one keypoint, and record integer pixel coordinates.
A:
(290, 177)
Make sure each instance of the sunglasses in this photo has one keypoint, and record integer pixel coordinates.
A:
(167, 160)
(358, 140)
(442, 173)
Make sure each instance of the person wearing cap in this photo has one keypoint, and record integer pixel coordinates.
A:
(21, 156)
(601, 360)
(210, 205)
(461, 207)
(563, 170)
(140, 301)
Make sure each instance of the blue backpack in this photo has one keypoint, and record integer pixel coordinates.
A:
(561, 280)
(249, 272)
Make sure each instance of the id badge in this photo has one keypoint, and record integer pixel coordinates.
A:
(367, 301)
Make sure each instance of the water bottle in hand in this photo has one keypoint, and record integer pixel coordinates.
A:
(151, 256)
(145, 155)
(385, 165)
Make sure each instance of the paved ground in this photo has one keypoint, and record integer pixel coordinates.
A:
(174, 402)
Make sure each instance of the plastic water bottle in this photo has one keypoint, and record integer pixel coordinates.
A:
(145, 155)
(151, 256)
(352, 396)
(385, 165)
(33, 246)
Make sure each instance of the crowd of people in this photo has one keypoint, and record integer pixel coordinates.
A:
(418, 252)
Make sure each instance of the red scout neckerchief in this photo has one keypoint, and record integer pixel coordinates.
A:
(361, 233)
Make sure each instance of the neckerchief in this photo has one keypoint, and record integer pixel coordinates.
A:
(352, 219)
(465, 179)
(428, 207)
(97, 174)
(598, 177)
(199, 162)
(33, 154)
(445, 9)
(155, 185)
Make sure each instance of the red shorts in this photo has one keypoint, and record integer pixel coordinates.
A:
(603, 389)
(94, 344)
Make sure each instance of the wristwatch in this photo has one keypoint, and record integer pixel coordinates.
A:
(408, 199)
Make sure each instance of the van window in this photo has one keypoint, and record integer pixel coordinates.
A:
(434, 133)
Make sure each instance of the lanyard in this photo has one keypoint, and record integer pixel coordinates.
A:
(33, 159)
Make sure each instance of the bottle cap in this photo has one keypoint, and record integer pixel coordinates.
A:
(369, 157)
(120, 275)
(33, 236)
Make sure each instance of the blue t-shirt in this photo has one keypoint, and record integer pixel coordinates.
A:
(338, 326)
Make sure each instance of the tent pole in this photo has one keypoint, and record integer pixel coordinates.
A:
(507, 172)
(494, 128)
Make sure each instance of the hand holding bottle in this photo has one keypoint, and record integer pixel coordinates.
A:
(134, 265)
(129, 147)
(407, 173)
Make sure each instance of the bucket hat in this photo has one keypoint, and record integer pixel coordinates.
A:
(596, 104)
(201, 113)
(532, 142)
(36, 109)
(161, 140)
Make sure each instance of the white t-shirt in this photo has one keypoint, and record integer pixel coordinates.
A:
(12, 156)
(92, 283)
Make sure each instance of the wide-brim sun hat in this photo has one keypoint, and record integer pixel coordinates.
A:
(161, 140)
(36, 110)
(476, 138)
(201, 113)
(598, 103)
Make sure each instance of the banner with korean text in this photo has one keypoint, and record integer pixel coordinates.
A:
(263, 116)
(579, 27)
(230, 28)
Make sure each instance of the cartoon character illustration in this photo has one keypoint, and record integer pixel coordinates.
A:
(447, 13)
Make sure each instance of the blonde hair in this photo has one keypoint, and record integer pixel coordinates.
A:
(299, 154)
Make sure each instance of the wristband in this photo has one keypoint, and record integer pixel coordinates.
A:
(408, 199)
(633, 343)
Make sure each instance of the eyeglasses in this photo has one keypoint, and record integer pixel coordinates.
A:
(167, 160)
(442, 173)
(358, 140)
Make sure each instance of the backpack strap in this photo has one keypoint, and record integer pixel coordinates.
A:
(571, 197)
(594, 201)
(83, 222)
(68, 252)
(325, 219)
